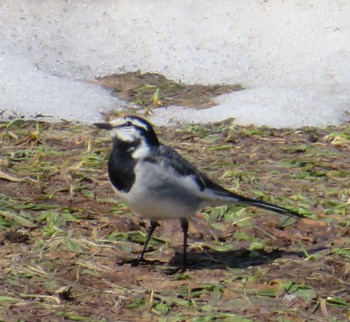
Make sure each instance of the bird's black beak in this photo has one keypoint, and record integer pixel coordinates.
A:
(105, 126)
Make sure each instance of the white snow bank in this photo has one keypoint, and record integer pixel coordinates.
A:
(293, 56)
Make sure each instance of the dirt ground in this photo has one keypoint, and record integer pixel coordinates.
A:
(151, 90)
(63, 234)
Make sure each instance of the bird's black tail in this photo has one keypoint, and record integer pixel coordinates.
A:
(268, 206)
(225, 196)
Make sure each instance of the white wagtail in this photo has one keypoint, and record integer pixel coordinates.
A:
(157, 183)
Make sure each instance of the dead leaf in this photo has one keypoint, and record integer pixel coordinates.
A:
(8, 177)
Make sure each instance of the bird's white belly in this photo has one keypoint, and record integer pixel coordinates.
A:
(148, 207)
(159, 196)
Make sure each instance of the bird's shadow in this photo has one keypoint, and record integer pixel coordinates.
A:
(240, 258)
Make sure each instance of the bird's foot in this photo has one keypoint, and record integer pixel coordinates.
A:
(172, 271)
(131, 261)
(136, 262)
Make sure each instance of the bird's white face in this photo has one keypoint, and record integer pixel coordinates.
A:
(129, 129)
(133, 130)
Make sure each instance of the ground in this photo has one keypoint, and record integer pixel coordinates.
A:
(63, 235)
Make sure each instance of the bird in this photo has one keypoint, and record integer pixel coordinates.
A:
(158, 183)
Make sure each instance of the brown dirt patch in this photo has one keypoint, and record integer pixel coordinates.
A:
(151, 90)
(247, 264)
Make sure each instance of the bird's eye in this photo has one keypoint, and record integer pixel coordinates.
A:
(128, 124)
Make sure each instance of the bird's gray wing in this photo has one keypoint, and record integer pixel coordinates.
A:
(169, 159)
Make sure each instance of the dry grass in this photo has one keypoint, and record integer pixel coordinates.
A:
(62, 232)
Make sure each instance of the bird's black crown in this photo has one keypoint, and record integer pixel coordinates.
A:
(131, 128)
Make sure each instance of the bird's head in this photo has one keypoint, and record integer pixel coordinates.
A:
(131, 129)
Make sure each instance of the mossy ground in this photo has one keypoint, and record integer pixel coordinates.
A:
(62, 231)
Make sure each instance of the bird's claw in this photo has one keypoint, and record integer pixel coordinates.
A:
(172, 271)
(131, 261)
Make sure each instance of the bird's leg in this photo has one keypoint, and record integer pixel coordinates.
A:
(154, 225)
(182, 267)
(184, 226)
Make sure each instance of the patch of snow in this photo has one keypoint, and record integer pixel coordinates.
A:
(292, 56)
(27, 91)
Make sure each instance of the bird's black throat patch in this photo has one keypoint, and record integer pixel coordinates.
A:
(121, 165)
